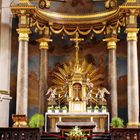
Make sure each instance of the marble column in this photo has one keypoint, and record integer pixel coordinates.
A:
(5, 60)
(22, 72)
(43, 72)
(132, 77)
(112, 74)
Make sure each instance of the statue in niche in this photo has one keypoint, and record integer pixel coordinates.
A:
(77, 90)
(100, 96)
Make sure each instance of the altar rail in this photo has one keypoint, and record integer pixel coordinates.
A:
(19, 134)
(125, 134)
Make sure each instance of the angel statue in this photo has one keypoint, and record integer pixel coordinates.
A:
(100, 96)
(51, 93)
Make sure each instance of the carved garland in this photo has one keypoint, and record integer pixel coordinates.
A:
(35, 23)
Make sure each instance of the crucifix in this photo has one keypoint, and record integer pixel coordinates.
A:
(77, 40)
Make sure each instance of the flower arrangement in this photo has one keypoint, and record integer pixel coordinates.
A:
(50, 109)
(96, 109)
(104, 108)
(76, 134)
(57, 109)
(89, 109)
(64, 108)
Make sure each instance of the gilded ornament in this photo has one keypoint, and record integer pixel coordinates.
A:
(133, 124)
(23, 20)
(111, 42)
(110, 3)
(77, 82)
(23, 34)
(44, 4)
(67, 16)
(131, 0)
(132, 33)
(23, 1)
(44, 42)
(4, 92)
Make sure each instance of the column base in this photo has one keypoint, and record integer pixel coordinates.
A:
(20, 121)
(133, 125)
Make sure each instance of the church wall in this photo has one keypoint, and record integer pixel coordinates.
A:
(62, 51)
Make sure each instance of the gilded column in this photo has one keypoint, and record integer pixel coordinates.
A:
(43, 72)
(132, 77)
(112, 74)
(22, 72)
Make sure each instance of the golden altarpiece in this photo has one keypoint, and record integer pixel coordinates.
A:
(77, 82)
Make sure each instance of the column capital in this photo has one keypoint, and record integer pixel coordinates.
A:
(111, 42)
(131, 33)
(23, 34)
(44, 42)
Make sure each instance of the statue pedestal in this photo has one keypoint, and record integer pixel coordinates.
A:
(4, 110)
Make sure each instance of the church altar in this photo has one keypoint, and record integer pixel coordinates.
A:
(100, 119)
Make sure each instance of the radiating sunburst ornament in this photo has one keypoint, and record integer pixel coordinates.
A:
(78, 72)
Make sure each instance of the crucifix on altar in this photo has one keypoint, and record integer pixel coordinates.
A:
(77, 86)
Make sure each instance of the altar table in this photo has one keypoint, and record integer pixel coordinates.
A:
(85, 126)
(101, 120)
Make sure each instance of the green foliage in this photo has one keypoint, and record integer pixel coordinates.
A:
(57, 107)
(117, 122)
(96, 107)
(50, 108)
(103, 107)
(89, 108)
(64, 108)
(37, 120)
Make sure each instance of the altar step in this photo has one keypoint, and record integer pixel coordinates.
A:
(97, 136)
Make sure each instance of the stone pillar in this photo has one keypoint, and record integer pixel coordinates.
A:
(112, 74)
(132, 77)
(22, 72)
(5, 60)
(43, 72)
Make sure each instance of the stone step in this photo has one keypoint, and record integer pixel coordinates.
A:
(106, 136)
(97, 136)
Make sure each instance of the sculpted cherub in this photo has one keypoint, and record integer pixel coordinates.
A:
(110, 3)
